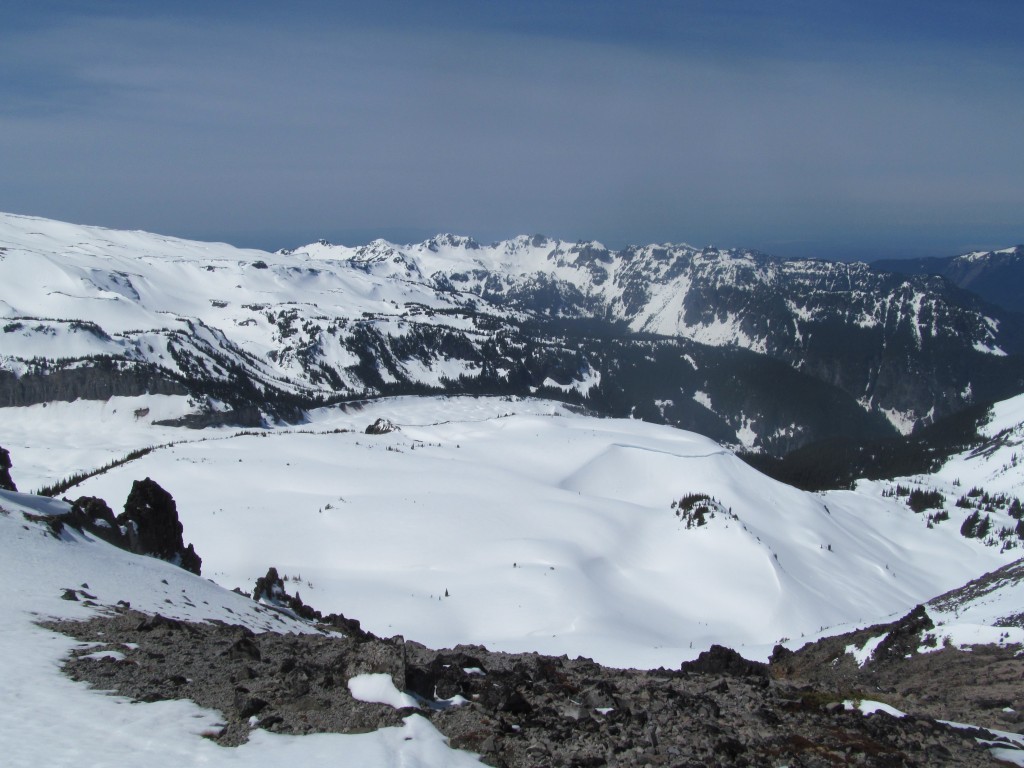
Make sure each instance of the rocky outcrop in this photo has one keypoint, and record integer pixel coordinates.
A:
(270, 589)
(149, 524)
(6, 483)
(150, 521)
(515, 710)
(381, 427)
(719, 660)
(910, 671)
(92, 514)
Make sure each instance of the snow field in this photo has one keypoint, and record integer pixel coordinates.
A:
(550, 531)
(54, 721)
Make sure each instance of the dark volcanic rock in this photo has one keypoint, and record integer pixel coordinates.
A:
(271, 589)
(521, 709)
(150, 520)
(719, 660)
(979, 685)
(381, 427)
(6, 483)
(904, 637)
(148, 526)
(92, 514)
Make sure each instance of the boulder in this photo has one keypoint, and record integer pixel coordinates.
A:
(6, 483)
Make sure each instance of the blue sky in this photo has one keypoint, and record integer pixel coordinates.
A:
(830, 129)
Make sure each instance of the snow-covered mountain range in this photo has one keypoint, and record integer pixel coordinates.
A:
(754, 351)
(996, 276)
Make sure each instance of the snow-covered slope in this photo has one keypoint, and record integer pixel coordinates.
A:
(978, 491)
(977, 495)
(987, 610)
(548, 530)
(513, 523)
(50, 720)
(996, 465)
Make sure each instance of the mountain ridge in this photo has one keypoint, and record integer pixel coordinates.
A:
(663, 330)
(997, 276)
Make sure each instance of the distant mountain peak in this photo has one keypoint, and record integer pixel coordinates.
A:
(448, 240)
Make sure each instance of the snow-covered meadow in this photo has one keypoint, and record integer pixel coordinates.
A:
(514, 523)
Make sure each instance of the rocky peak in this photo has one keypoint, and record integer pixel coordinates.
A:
(448, 240)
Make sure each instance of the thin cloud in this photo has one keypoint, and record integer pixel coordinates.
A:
(272, 134)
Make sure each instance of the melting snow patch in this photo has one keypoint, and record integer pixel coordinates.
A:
(993, 350)
(963, 636)
(379, 689)
(870, 707)
(904, 421)
(863, 654)
(455, 701)
(1012, 756)
(746, 434)
(1004, 745)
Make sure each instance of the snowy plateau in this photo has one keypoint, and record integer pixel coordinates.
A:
(507, 522)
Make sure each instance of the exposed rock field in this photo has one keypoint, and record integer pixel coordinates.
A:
(530, 710)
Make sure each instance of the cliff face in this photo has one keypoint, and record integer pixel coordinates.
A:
(98, 381)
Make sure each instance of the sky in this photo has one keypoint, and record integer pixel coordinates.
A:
(850, 130)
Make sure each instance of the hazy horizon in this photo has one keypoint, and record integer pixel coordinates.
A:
(827, 129)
